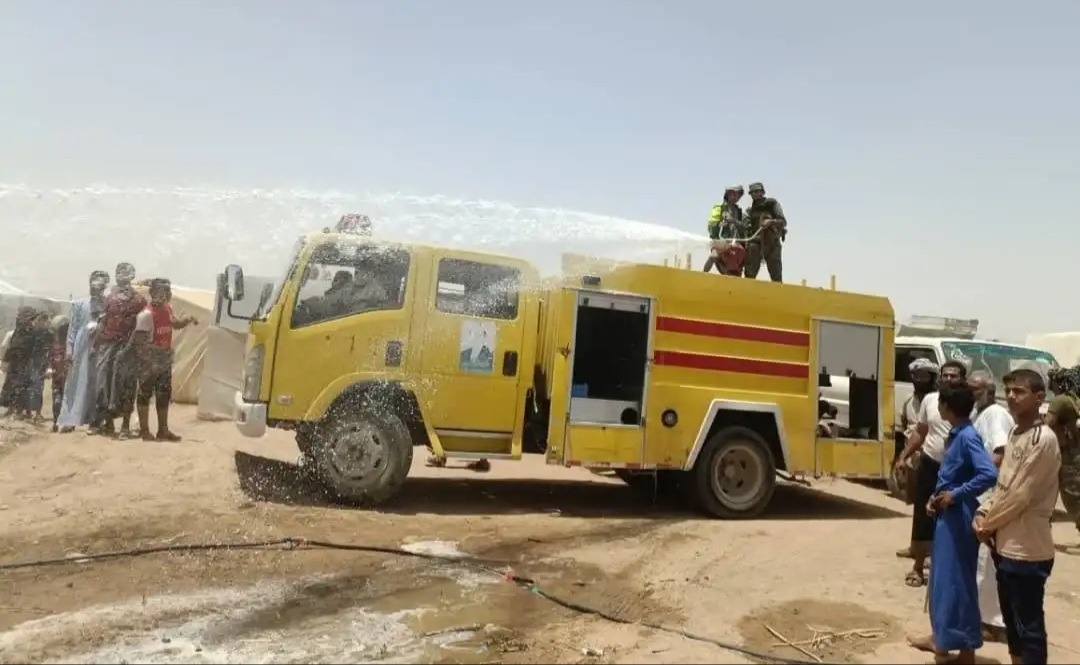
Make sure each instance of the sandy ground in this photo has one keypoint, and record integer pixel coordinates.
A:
(822, 558)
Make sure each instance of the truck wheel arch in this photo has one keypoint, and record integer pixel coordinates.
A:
(764, 418)
(387, 395)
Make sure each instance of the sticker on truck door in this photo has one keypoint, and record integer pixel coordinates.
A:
(477, 347)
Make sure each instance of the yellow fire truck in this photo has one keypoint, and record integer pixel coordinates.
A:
(366, 349)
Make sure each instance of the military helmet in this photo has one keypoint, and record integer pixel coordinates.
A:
(756, 187)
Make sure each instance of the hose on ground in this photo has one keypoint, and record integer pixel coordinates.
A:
(295, 543)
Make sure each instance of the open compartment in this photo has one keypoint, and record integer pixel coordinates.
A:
(610, 362)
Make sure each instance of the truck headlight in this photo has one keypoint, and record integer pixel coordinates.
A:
(253, 366)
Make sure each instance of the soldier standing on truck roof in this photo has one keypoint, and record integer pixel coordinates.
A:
(725, 223)
(766, 214)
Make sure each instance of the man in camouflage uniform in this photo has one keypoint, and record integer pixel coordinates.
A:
(726, 222)
(766, 214)
(1062, 417)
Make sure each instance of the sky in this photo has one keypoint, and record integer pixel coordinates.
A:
(923, 151)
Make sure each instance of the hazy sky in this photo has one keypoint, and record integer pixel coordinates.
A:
(921, 150)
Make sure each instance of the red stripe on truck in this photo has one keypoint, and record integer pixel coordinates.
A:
(713, 363)
(726, 330)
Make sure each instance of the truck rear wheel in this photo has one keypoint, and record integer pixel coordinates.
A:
(363, 458)
(735, 474)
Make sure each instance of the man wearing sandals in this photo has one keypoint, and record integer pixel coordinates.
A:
(152, 342)
(931, 432)
(966, 473)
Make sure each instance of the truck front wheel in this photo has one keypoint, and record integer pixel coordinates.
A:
(735, 474)
(364, 457)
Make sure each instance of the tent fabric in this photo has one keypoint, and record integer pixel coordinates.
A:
(11, 303)
(1064, 345)
(223, 365)
(222, 373)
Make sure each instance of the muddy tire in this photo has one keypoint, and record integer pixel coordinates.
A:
(363, 458)
(306, 440)
(735, 474)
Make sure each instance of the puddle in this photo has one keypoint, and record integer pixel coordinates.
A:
(443, 612)
(443, 548)
(845, 631)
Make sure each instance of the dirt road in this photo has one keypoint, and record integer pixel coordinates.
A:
(823, 558)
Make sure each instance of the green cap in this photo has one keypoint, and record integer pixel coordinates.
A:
(756, 187)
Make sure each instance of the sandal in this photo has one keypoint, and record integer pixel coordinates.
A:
(993, 634)
(480, 466)
(915, 580)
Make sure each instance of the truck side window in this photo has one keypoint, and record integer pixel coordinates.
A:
(905, 355)
(344, 279)
(470, 288)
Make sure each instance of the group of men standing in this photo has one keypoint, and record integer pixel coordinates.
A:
(984, 490)
(119, 357)
(742, 240)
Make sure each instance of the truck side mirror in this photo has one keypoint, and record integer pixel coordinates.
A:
(234, 283)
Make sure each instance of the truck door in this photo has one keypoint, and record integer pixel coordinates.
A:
(346, 322)
(603, 349)
(472, 347)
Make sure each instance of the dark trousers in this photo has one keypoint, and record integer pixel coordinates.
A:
(1021, 591)
(922, 525)
(771, 254)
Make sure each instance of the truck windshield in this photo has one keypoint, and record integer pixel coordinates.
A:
(999, 359)
(349, 277)
(279, 283)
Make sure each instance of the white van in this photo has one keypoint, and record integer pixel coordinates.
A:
(997, 358)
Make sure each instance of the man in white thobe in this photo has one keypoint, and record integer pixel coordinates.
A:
(994, 424)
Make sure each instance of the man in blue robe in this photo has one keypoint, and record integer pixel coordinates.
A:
(78, 406)
(966, 472)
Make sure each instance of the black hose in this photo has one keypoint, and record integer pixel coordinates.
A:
(143, 551)
(294, 543)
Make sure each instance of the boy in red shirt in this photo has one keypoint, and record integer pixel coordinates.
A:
(152, 342)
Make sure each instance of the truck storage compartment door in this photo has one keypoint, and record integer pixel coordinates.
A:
(854, 370)
(603, 378)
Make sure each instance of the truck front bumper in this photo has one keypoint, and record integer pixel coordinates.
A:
(250, 417)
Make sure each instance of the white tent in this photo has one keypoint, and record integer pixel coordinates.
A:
(13, 298)
(222, 368)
